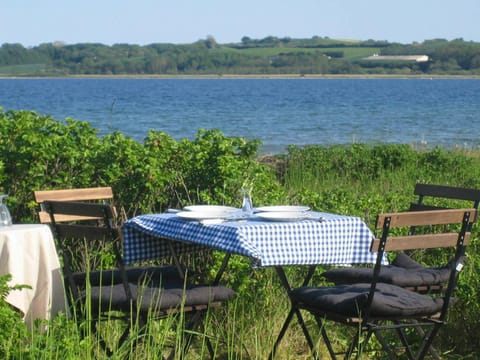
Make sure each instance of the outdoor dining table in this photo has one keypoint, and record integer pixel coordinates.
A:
(320, 238)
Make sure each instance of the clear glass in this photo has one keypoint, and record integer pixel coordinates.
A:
(247, 206)
(5, 218)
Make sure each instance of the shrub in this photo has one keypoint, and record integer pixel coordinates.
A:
(13, 332)
(40, 153)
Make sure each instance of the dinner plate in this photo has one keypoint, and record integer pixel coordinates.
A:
(199, 215)
(283, 216)
(285, 208)
(211, 209)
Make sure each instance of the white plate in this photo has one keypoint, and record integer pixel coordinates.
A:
(283, 216)
(199, 215)
(211, 209)
(286, 208)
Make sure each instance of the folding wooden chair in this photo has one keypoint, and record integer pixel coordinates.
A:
(118, 297)
(101, 195)
(374, 308)
(404, 270)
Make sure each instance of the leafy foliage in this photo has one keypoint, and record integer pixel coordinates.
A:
(13, 331)
(270, 55)
(38, 152)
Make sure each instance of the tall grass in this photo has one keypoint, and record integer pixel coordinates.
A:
(356, 179)
(367, 180)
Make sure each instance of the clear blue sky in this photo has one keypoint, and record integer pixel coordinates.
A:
(32, 22)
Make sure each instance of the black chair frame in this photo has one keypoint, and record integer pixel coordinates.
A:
(404, 271)
(367, 311)
(115, 290)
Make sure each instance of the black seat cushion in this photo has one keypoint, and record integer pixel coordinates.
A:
(404, 261)
(174, 296)
(404, 272)
(349, 300)
(152, 298)
(141, 274)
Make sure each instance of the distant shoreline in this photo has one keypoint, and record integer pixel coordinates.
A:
(253, 76)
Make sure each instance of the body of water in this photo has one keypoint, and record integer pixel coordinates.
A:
(279, 112)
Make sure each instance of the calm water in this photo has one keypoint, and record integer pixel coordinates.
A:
(279, 112)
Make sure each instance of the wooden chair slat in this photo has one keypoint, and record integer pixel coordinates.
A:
(82, 194)
(413, 242)
(45, 218)
(96, 193)
(449, 192)
(79, 208)
(89, 233)
(422, 218)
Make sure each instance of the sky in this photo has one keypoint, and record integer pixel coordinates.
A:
(143, 22)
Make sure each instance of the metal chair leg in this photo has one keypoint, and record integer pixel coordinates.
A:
(306, 333)
(432, 350)
(325, 338)
(385, 345)
(282, 333)
(428, 339)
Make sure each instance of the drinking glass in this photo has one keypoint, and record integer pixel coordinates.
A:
(5, 218)
(247, 206)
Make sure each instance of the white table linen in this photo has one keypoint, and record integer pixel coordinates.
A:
(28, 253)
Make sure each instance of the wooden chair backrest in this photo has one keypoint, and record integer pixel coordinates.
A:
(444, 236)
(97, 194)
(428, 193)
(443, 192)
(81, 209)
(77, 239)
(388, 242)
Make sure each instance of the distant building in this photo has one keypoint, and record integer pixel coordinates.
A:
(416, 58)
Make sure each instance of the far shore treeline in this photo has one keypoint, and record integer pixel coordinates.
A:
(268, 56)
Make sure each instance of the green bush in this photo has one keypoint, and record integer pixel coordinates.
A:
(40, 153)
(13, 332)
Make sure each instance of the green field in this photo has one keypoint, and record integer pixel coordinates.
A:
(26, 69)
(348, 52)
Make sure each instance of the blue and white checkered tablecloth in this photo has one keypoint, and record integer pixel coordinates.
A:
(337, 239)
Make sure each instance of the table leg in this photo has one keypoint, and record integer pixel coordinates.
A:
(179, 267)
(222, 268)
(293, 311)
(181, 271)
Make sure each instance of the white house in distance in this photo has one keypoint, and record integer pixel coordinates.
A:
(415, 58)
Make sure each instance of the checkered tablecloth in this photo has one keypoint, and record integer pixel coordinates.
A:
(335, 240)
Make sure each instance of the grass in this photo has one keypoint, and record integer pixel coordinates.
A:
(348, 52)
(359, 180)
(26, 69)
(230, 330)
